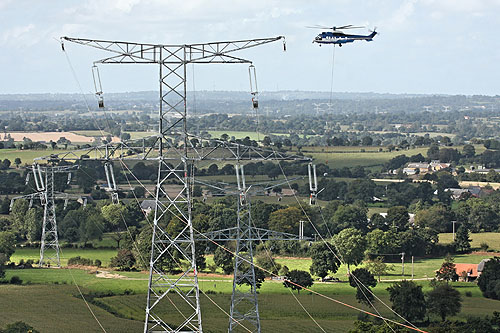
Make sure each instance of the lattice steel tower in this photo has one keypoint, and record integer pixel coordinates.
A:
(44, 183)
(170, 296)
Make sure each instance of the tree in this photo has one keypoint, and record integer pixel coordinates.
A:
(33, 223)
(447, 272)
(260, 275)
(469, 151)
(361, 189)
(142, 250)
(114, 215)
(489, 281)
(6, 164)
(444, 300)
(351, 246)
(398, 217)
(408, 300)
(377, 221)
(323, 260)
(350, 216)
(266, 141)
(378, 267)
(139, 192)
(436, 217)
(362, 280)
(197, 191)
(224, 259)
(92, 227)
(380, 242)
(285, 220)
(19, 210)
(367, 141)
(397, 162)
(296, 280)
(448, 155)
(482, 216)
(265, 261)
(462, 240)
(124, 260)
(433, 152)
(7, 243)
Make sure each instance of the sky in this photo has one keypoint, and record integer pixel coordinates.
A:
(424, 46)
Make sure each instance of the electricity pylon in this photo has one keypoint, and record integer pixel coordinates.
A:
(173, 163)
(244, 310)
(44, 182)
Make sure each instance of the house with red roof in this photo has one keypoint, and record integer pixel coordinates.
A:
(466, 272)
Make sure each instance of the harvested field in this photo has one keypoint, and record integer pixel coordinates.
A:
(54, 136)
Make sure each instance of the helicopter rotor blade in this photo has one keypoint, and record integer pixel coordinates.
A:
(318, 27)
(349, 26)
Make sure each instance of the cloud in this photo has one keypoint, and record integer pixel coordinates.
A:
(402, 14)
(17, 35)
(4, 3)
(472, 7)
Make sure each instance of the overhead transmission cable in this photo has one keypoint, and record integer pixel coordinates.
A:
(335, 254)
(331, 92)
(305, 288)
(179, 265)
(130, 235)
(298, 285)
(75, 77)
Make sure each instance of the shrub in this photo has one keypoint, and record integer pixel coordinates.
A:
(98, 263)
(124, 260)
(16, 280)
(484, 246)
(128, 292)
(80, 261)
(19, 326)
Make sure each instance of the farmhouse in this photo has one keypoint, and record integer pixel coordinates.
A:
(466, 272)
(423, 167)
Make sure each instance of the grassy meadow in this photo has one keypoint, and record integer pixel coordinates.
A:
(26, 156)
(122, 310)
(490, 238)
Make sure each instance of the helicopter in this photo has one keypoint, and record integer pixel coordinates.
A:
(337, 37)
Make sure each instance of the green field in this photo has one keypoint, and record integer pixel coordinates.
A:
(46, 290)
(366, 159)
(490, 238)
(27, 156)
(237, 134)
(50, 292)
(53, 308)
(140, 135)
(34, 253)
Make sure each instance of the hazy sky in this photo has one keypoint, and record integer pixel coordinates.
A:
(424, 46)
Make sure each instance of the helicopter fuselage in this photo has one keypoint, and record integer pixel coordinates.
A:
(340, 38)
